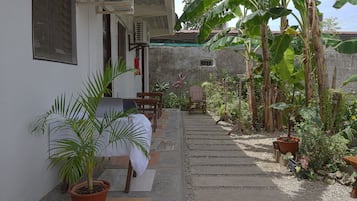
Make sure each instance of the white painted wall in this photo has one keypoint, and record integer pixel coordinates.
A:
(27, 89)
(125, 85)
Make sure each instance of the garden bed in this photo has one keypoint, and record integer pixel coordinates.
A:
(258, 145)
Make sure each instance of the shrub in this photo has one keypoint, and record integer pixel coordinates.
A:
(323, 151)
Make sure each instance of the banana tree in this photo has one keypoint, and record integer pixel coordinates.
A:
(256, 25)
(341, 3)
(250, 45)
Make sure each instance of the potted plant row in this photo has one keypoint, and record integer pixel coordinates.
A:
(75, 156)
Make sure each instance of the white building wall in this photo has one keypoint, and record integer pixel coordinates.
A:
(125, 85)
(27, 89)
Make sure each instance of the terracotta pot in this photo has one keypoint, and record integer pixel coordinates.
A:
(287, 144)
(99, 196)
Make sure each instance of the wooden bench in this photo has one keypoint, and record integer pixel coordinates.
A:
(352, 160)
(153, 95)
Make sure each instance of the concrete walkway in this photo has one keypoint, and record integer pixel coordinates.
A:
(218, 169)
(193, 159)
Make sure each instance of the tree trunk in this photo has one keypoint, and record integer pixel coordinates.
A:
(268, 112)
(251, 90)
(278, 114)
(278, 95)
(322, 76)
(307, 61)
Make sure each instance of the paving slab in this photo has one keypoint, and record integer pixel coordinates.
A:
(206, 132)
(205, 147)
(220, 161)
(226, 170)
(211, 142)
(215, 153)
(220, 181)
(240, 194)
(209, 137)
(127, 199)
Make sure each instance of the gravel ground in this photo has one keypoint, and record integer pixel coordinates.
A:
(259, 146)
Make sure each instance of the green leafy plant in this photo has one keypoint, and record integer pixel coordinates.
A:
(352, 78)
(76, 155)
(323, 151)
(161, 86)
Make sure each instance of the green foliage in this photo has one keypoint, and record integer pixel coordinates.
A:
(353, 78)
(349, 121)
(161, 86)
(222, 98)
(322, 150)
(172, 100)
(341, 3)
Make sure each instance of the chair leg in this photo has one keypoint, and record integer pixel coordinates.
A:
(128, 178)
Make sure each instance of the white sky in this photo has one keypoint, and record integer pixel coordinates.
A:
(346, 16)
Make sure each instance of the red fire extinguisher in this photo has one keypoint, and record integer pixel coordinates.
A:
(137, 65)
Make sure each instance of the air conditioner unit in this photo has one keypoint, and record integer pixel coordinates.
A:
(141, 32)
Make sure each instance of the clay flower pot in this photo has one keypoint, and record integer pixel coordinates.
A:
(98, 196)
(287, 144)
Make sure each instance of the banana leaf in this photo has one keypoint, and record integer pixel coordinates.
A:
(340, 3)
(353, 78)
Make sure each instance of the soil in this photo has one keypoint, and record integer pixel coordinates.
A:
(84, 190)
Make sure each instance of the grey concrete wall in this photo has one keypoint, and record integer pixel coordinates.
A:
(346, 66)
(166, 62)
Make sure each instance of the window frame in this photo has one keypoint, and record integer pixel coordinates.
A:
(52, 57)
(205, 61)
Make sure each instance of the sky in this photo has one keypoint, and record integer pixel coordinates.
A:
(346, 16)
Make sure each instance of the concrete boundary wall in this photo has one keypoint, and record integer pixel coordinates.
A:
(167, 61)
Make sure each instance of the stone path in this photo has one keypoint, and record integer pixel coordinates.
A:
(218, 169)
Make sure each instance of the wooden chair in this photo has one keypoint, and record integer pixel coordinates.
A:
(153, 95)
(197, 99)
(148, 107)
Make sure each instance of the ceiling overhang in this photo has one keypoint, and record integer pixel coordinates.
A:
(119, 7)
(159, 15)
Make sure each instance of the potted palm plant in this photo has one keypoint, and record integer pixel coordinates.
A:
(75, 154)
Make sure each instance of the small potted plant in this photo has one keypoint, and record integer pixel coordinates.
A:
(75, 155)
(287, 143)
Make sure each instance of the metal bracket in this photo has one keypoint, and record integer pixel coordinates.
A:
(134, 46)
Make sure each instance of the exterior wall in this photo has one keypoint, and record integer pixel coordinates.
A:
(346, 66)
(28, 88)
(167, 62)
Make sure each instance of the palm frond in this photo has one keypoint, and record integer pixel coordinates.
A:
(128, 133)
(80, 131)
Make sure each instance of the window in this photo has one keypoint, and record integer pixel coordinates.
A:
(206, 63)
(54, 30)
